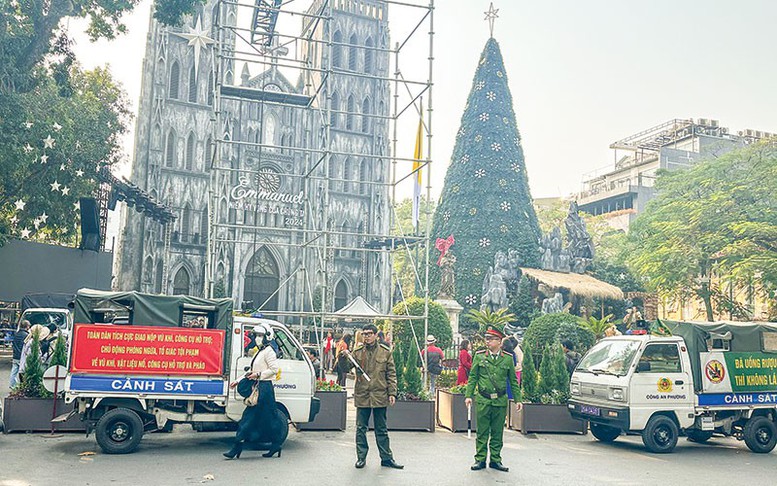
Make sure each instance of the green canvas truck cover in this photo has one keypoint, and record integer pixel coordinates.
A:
(745, 337)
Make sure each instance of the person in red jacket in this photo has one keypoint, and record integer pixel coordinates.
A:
(433, 357)
(465, 364)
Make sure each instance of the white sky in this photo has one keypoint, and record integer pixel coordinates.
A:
(582, 74)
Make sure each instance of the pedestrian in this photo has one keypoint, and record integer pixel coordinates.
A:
(313, 355)
(342, 371)
(632, 317)
(433, 356)
(18, 344)
(492, 368)
(571, 357)
(259, 420)
(373, 396)
(37, 330)
(328, 351)
(465, 363)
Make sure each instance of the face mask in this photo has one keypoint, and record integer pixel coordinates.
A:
(258, 341)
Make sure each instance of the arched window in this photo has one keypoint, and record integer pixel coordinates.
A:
(192, 86)
(190, 147)
(366, 112)
(208, 153)
(261, 281)
(364, 176)
(175, 81)
(156, 137)
(158, 278)
(343, 239)
(341, 295)
(181, 282)
(353, 53)
(333, 116)
(170, 149)
(204, 225)
(210, 90)
(332, 172)
(347, 174)
(337, 49)
(350, 108)
(359, 237)
(148, 269)
(369, 56)
(186, 222)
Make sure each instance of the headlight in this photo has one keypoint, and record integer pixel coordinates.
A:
(574, 389)
(616, 394)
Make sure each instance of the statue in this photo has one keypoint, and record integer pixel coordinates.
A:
(448, 279)
(580, 243)
(551, 247)
(553, 304)
(494, 292)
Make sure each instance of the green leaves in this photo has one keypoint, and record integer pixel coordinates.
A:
(486, 318)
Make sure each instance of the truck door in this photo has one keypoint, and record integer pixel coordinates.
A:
(661, 383)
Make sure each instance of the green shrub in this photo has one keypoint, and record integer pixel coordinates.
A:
(439, 324)
(447, 379)
(529, 378)
(59, 356)
(32, 381)
(542, 332)
(413, 388)
(458, 389)
(399, 364)
(554, 380)
(547, 372)
(522, 305)
(580, 336)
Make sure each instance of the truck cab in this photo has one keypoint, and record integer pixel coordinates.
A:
(661, 386)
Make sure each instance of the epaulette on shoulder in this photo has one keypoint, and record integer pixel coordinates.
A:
(481, 351)
(505, 353)
(385, 346)
(358, 347)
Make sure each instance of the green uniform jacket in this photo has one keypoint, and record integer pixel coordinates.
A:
(489, 374)
(378, 362)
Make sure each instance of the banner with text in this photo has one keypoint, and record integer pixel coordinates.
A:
(147, 350)
(738, 372)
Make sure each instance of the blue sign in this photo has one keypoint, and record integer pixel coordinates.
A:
(158, 386)
(715, 399)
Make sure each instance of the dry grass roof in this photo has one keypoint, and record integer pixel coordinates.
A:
(575, 283)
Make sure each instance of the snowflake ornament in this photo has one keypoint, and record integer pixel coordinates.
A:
(516, 141)
(491, 96)
(477, 272)
(496, 147)
(484, 243)
(471, 299)
(446, 216)
(479, 85)
(480, 173)
(504, 229)
(478, 137)
(502, 182)
(483, 117)
(505, 120)
(473, 211)
(515, 167)
(464, 158)
(455, 189)
(460, 133)
(499, 73)
(27, 148)
(505, 206)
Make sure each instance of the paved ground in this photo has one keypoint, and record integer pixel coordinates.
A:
(326, 458)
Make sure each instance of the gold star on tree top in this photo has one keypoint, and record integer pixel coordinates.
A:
(491, 16)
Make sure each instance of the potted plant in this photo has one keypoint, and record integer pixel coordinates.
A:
(414, 408)
(545, 396)
(29, 406)
(451, 411)
(333, 410)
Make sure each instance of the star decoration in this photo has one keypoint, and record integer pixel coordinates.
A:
(56, 126)
(477, 272)
(480, 173)
(27, 148)
(25, 233)
(515, 167)
(14, 220)
(55, 186)
(491, 16)
(76, 206)
(491, 96)
(198, 39)
(470, 299)
(483, 117)
(36, 223)
(48, 142)
(499, 73)
(484, 243)
(478, 137)
(80, 173)
(78, 144)
(505, 120)
(496, 147)
(516, 141)
(44, 159)
(28, 125)
(43, 217)
(65, 191)
(61, 166)
(622, 276)
(20, 205)
(505, 206)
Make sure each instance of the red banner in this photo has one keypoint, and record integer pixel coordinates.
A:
(146, 350)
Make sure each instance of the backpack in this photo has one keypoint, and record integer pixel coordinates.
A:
(433, 363)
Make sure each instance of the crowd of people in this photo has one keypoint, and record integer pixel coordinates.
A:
(22, 347)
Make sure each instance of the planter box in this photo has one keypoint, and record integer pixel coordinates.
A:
(452, 413)
(34, 415)
(410, 415)
(535, 417)
(332, 414)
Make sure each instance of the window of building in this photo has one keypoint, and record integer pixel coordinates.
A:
(158, 278)
(341, 295)
(369, 56)
(192, 86)
(261, 281)
(353, 53)
(364, 176)
(181, 282)
(175, 81)
(335, 106)
(170, 149)
(186, 222)
(190, 147)
(366, 112)
(662, 358)
(349, 117)
(337, 49)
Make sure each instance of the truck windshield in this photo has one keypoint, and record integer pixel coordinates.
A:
(609, 357)
(45, 318)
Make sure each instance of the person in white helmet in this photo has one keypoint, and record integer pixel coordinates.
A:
(259, 420)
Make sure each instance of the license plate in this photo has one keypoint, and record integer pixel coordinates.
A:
(589, 410)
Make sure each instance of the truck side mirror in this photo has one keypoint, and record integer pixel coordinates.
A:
(643, 366)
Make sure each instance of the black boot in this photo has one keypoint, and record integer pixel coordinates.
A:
(272, 452)
(235, 451)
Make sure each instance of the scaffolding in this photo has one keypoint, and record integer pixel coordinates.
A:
(315, 58)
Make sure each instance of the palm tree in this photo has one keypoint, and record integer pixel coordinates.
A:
(485, 318)
(598, 326)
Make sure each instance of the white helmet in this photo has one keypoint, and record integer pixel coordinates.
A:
(265, 331)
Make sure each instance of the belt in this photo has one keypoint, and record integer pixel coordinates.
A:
(491, 396)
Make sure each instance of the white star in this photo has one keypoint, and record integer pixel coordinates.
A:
(491, 15)
(43, 217)
(80, 173)
(65, 191)
(48, 142)
(57, 127)
(55, 186)
(20, 205)
(28, 125)
(44, 159)
(36, 223)
(198, 39)
(78, 144)
(61, 166)
(76, 206)
(27, 148)
(14, 220)
(25, 233)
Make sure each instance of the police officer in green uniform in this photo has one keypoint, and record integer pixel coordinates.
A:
(372, 396)
(491, 369)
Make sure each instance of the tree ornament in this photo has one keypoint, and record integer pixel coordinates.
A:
(505, 206)
(20, 204)
(48, 142)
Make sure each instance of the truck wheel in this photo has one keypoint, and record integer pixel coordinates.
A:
(660, 434)
(119, 431)
(698, 436)
(604, 433)
(760, 435)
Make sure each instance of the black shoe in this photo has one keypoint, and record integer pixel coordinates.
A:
(272, 452)
(392, 464)
(360, 463)
(235, 451)
(498, 466)
(478, 465)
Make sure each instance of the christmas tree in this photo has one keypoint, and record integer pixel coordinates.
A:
(485, 202)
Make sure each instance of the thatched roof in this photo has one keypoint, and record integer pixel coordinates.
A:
(575, 283)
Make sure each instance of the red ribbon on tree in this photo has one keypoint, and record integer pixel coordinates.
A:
(443, 245)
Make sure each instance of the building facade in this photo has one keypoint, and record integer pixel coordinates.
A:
(258, 177)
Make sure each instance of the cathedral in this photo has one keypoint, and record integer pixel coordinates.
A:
(256, 165)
